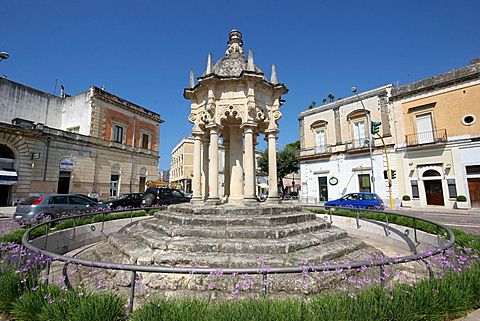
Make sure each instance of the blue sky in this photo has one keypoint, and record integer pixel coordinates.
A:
(143, 50)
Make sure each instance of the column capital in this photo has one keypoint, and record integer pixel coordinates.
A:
(216, 127)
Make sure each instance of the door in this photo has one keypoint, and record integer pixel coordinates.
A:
(114, 186)
(63, 182)
(322, 189)
(474, 191)
(424, 128)
(434, 192)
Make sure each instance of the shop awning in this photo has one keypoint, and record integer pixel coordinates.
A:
(8, 176)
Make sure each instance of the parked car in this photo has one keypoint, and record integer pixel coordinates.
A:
(369, 201)
(163, 196)
(54, 206)
(126, 200)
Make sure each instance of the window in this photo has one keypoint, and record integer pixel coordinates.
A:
(473, 169)
(424, 128)
(415, 193)
(359, 134)
(75, 130)
(118, 134)
(452, 188)
(320, 141)
(145, 141)
(364, 183)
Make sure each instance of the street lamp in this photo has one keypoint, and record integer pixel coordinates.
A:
(4, 55)
(369, 122)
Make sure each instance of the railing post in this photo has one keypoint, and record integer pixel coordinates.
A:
(132, 290)
(46, 236)
(264, 290)
(74, 227)
(382, 277)
(387, 230)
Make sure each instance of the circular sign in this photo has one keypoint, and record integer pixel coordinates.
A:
(333, 181)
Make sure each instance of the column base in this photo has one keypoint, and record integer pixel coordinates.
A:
(197, 201)
(250, 201)
(273, 200)
(213, 201)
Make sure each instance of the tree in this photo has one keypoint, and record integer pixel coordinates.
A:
(331, 97)
(312, 105)
(324, 100)
(286, 161)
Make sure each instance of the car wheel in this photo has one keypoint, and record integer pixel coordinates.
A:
(149, 199)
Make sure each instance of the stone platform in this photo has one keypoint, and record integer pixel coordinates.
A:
(229, 236)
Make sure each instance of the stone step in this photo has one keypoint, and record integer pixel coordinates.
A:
(154, 240)
(236, 210)
(235, 231)
(231, 220)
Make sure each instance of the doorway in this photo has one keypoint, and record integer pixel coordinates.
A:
(434, 192)
(322, 189)
(63, 182)
(474, 191)
(114, 185)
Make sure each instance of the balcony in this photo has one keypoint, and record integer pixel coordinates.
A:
(358, 144)
(429, 137)
(316, 151)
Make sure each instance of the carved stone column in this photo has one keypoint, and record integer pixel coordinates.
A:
(249, 165)
(197, 169)
(205, 165)
(213, 198)
(272, 168)
(236, 165)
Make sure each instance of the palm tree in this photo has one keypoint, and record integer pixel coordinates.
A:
(324, 100)
(331, 97)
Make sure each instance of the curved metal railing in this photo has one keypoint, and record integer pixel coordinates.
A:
(450, 241)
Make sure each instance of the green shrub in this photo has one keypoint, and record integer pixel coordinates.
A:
(406, 198)
(32, 302)
(461, 198)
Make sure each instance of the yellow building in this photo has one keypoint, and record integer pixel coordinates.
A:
(181, 164)
(439, 155)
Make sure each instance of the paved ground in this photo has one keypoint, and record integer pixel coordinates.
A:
(465, 220)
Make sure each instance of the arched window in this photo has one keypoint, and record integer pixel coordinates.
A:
(430, 173)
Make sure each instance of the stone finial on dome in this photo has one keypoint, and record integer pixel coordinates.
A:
(192, 79)
(273, 78)
(250, 63)
(235, 45)
(209, 64)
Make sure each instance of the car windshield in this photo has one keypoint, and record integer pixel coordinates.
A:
(124, 196)
(29, 200)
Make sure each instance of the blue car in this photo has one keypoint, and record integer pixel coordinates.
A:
(369, 201)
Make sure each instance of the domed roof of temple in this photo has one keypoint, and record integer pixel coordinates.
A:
(234, 63)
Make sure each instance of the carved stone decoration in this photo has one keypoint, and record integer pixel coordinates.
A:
(261, 114)
(231, 111)
(251, 112)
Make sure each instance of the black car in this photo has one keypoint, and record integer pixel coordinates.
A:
(126, 200)
(163, 196)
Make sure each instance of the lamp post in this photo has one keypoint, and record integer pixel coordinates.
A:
(4, 55)
(369, 123)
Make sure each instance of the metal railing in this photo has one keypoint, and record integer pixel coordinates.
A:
(314, 151)
(428, 137)
(443, 245)
(360, 143)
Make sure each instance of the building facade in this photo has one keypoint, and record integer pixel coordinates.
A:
(339, 154)
(93, 143)
(441, 130)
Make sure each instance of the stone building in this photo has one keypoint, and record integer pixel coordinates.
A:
(338, 150)
(92, 143)
(440, 130)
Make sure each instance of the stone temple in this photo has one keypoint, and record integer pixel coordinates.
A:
(234, 102)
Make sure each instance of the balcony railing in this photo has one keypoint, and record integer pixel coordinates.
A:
(429, 137)
(315, 151)
(359, 143)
